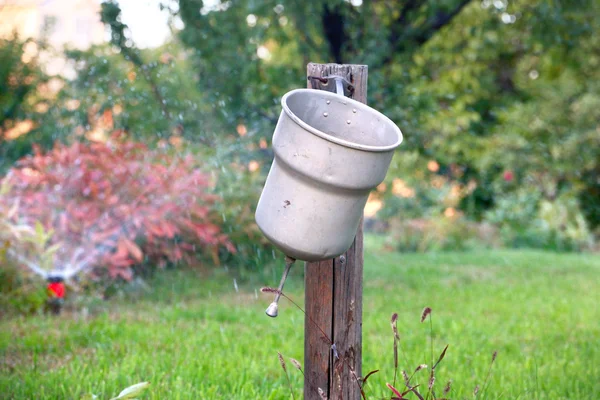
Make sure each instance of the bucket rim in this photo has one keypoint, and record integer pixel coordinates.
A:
(342, 142)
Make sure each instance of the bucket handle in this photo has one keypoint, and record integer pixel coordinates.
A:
(333, 83)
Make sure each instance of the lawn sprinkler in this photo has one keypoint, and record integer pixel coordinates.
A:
(56, 293)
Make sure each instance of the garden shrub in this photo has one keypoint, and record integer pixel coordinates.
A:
(526, 219)
(19, 292)
(442, 233)
(115, 205)
(240, 190)
(423, 214)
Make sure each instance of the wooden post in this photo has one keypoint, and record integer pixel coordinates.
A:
(333, 299)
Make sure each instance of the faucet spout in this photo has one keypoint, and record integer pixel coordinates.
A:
(272, 310)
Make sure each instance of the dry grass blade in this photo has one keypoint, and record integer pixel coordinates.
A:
(420, 367)
(394, 323)
(430, 384)
(441, 357)
(431, 380)
(425, 313)
(395, 357)
(282, 362)
(406, 378)
(489, 373)
(364, 381)
(296, 363)
(357, 380)
(410, 389)
(447, 387)
(394, 390)
(416, 392)
(267, 289)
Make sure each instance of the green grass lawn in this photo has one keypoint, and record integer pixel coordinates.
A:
(198, 338)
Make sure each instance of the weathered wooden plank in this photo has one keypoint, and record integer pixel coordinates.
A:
(333, 298)
(318, 307)
(347, 321)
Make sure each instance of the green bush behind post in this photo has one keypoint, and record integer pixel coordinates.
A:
(240, 191)
(526, 219)
(20, 292)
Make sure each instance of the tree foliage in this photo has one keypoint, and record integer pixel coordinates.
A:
(481, 87)
(22, 84)
(498, 100)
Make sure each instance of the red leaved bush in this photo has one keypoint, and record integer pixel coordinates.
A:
(112, 206)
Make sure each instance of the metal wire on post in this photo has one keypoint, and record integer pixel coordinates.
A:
(333, 83)
(339, 86)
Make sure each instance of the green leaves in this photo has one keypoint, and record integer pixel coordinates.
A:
(20, 101)
(132, 392)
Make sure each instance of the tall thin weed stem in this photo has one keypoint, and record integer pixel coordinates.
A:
(487, 377)
(427, 312)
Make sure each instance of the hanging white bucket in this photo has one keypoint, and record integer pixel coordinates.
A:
(330, 151)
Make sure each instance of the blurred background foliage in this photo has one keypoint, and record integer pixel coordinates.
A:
(499, 102)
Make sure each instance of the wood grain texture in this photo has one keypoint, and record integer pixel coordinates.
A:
(318, 307)
(333, 294)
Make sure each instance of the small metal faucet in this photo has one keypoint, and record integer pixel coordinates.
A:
(273, 308)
